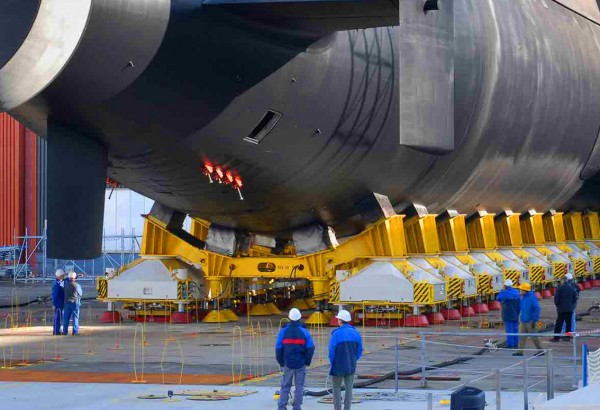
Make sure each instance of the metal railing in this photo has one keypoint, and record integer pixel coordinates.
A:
(524, 366)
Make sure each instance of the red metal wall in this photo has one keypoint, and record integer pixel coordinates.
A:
(18, 180)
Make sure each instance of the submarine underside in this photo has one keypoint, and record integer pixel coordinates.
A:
(309, 119)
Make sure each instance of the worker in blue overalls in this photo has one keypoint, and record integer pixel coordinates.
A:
(58, 300)
(511, 307)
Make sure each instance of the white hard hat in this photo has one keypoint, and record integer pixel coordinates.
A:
(295, 315)
(72, 275)
(344, 316)
(508, 282)
(59, 273)
(569, 276)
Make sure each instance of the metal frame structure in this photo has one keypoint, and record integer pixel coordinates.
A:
(23, 252)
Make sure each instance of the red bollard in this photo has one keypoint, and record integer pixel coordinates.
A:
(494, 305)
(415, 321)
(480, 308)
(451, 314)
(467, 311)
(436, 318)
(111, 316)
(181, 317)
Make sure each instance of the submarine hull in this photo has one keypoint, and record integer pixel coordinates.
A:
(166, 87)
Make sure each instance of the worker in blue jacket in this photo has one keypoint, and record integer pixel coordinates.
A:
(530, 314)
(294, 351)
(511, 307)
(58, 300)
(345, 348)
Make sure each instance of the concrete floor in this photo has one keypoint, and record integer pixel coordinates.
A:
(119, 396)
(210, 354)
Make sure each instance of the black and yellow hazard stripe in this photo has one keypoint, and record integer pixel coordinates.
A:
(580, 268)
(334, 291)
(102, 288)
(596, 264)
(454, 288)
(484, 284)
(423, 293)
(181, 287)
(536, 274)
(559, 270)
(512, 274)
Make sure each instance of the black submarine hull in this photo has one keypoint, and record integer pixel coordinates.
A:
(166, 87)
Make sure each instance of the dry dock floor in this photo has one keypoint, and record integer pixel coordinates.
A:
(241, 355)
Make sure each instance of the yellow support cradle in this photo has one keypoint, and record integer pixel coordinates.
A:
(554, 229)
(591, 226)
(573, 226)
(508, 229)
(480, 231)
(396, 239)
(532, 228)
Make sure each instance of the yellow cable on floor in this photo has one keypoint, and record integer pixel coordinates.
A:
(162, 359)
(12, 322)
(141, 380)
(237, 329)
(14, 310)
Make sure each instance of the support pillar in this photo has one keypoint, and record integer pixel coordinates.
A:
(215, 315)
(217, 289)
(228, 313)
(320, 289)
(74, 221)
(260, 309)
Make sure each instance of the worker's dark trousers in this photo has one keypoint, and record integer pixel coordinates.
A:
(563, 318)
(337, 391)
(58, 316)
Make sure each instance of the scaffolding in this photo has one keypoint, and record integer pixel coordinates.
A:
(24, 254)
(30, 263)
